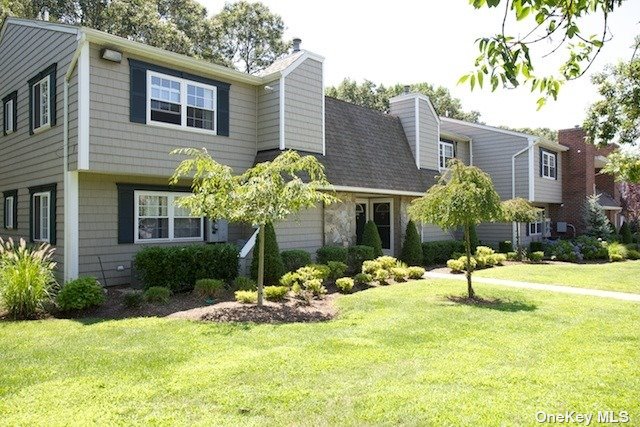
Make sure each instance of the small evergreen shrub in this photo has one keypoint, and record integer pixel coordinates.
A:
(242, 283)
(275, 293)
(633, 254)
(304, 274)
(79, 294)
(596, 220)
(399, 274)
(345, 284)
(358, 254)
(291, 278)
(505, 246)
(246, 297)
(592, 248)
(362, 278)
(157, 295)
(387, 262)
(455, 265)
(337, 269)
(412, 248)
(309, 289)
(415, 272)
(499, 259)
(295, 258)
(208, 288)
(382, 276)
(273, 265)
(536, 256)
(371, 237)
(331, 253)
(617, 252)
(625, 233)
(438, 252)
(512, 256)
(323, 271)
(536, 246)
(371, 266)
(132, 298)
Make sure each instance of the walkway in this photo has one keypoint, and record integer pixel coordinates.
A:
(527, 285)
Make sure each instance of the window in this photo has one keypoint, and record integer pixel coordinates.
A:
(41, 105)
(9, 113)
(548, 165)
(10, 208)
(446, 153)
(535, 228)
(178, 102)
(41, 209)
(157, 217)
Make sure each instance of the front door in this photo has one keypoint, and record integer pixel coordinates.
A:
(382, 215)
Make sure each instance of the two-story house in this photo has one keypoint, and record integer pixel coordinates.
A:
(89, 120)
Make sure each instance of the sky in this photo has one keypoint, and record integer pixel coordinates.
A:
(403, 41)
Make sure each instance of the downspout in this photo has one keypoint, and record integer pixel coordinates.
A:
(470, 152)
(529, 146)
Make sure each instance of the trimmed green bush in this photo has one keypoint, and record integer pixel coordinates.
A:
(505, 246)
(331, 253)
(294, 259)
(178, 267)
(208, 288)
(399, 274)
(617, 252)
(625, 233)
(275, 293)
(323, 271)
(536, 246)
(157, 295)
(500, 258)
(358, 254)
(362, 278)
(371, 237)
(536, 256)
(273, 265)
(415, 272)
(382, 276)
(337, 269)
(438, 252)
(633, 254)
(412, 248)
(592, 248)
(371, 266)
(246, 297)
(387, 262)
(132, 298)
(242, 283)
(512, 256)
(79, 294)
(563, 250)
(345, 284)
(455, 265)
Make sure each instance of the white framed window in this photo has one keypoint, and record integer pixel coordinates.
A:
(157, 218)
(8, 212)
(535, 228)
(41, 216)
(176, 102)
(9, 118)
(445, 153)
(549, 165)
(40, 104)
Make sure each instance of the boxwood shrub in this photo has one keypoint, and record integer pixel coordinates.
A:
(79, 294)
(295, 258)
(358, 254)
(331, 253)
(438, 252)
(178, 267)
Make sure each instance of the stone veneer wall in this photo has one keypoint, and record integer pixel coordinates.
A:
(404, 215)
(340, 221)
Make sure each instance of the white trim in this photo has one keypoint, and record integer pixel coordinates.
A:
(417, 125)
(373, 190)
(83, 107)
(43, 25)
(470, 152)
(532, 170)
(324, 148)
(170, 216)
(441, 144)
(71, 221)
(486, 127)
(281, 116)
(43, 195)
(47, 125)
(550, 155)
(7, 119)
(249, 245)
(8, 214)
(513, 171)
(391, 221)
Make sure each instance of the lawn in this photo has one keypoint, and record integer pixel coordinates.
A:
(401, 354)
(616, 276)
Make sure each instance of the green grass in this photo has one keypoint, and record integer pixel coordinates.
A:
(401, 354)
(615, 276)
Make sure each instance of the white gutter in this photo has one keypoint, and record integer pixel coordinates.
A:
(374, 190)
(470, 152)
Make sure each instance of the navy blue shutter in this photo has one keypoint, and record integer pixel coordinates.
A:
(138, 93)
(30, 110)
(125, 213)
(223, 111)
(541, 165)
(53, 97)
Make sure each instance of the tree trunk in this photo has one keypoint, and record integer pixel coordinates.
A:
(467, 244)
(518, 248)
(261, 265)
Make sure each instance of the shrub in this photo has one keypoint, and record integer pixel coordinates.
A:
(345, 284)
(415, 272)
(358, 254)
(337, 269)
(370, 267)
(536, 256)
(500, 259)
(363, 278)
(617, 252)
(412, 248)
(382, 276)
(331, 253)
(275, 293)
(273, 265)
(536, 246)
(304, 274)
(26, 277)
(79, 294)
(455, 265)
(157, 294)
(309, 289)
(625, 233)
(438, 252)
(322, 271)
(399, 274)
(371, 237)
(178, 267)
(563, 250)
(208, 288)
(242, 283)
(291, 278)
(592, 248)
(387, 262)
(633, 254)
(505, 246)
(132, 298)
(512, 256)
(295, 258)
(246, 297)
(473, 262)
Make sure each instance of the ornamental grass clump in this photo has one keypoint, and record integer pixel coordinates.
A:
(26, 277)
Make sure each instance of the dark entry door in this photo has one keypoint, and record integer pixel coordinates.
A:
(382, 217)
(361, 219)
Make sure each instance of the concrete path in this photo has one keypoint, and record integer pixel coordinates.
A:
(527, 285)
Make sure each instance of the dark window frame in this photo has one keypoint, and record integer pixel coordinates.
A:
(51, 189)
(7, 194)
(50, 71)
(13, 96)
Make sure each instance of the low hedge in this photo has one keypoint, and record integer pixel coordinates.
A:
(331, 253)
(295, 258)
(439, 252)
(178, 267)
(358, 254)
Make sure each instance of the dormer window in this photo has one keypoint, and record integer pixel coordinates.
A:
(446, 152)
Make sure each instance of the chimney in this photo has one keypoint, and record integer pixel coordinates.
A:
(407, 88)
(296, 44)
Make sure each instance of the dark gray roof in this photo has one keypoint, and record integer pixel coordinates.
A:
(366, 148)
(606, 200)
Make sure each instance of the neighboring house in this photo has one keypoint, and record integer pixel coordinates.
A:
(89, 120)
(582, 178)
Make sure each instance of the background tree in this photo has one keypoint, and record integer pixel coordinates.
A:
(595, 219)
(507, 58)
(411, 253)
(266, 193)
(520, 211)
(371, 95)
(463, 197)
(544, 133)
(273, 264)
(371, 238)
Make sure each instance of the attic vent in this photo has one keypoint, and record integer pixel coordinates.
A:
(296, 44)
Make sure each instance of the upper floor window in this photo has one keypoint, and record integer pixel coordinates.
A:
(42, 100)
(10, 208)
(549, 167)
(178, 102)
(446, 153)
(9, 113)
(158, 218)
